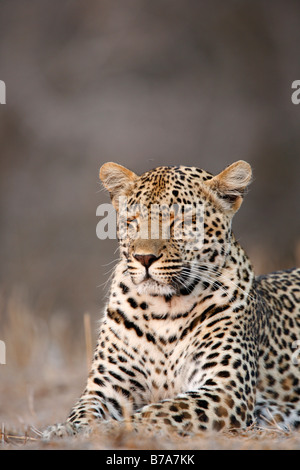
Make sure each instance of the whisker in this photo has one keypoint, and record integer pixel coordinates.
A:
(110, 277)
(180, 281)
(207, 278)
(194, 271)
(110, 270)
(113, 261)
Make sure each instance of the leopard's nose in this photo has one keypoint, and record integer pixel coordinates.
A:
(146, 260)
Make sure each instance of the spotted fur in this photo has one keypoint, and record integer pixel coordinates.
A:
(190, 339)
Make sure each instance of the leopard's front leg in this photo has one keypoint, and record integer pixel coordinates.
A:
(116, 388)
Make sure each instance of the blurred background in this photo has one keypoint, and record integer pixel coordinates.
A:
(142, 83)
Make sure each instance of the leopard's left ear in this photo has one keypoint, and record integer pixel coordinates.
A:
(231, 183)
(118, 180)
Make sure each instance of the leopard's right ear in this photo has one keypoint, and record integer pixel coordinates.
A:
(117, 180)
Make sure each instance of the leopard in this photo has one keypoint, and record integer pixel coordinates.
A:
(191, 339)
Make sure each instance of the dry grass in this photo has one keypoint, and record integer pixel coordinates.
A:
(45, 373)
(123, 439)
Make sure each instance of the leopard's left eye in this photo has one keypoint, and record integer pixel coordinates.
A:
(131, 220)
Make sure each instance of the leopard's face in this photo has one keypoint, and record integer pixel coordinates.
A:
(174, 225)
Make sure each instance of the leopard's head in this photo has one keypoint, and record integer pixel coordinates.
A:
(174, 223)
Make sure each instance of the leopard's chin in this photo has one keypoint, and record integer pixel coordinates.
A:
(152, 287)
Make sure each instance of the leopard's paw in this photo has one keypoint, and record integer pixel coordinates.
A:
(62, 430)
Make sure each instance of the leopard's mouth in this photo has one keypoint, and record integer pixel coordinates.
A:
(165, 281)
(152, 287)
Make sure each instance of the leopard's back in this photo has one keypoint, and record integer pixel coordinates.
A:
(278, 306)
